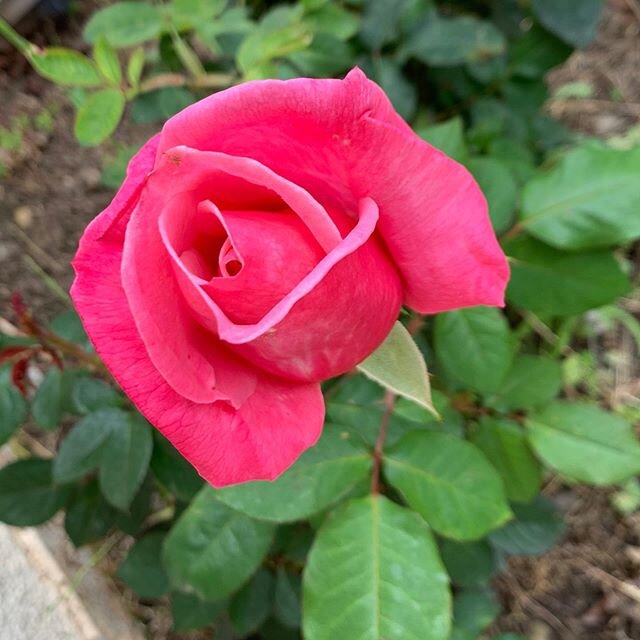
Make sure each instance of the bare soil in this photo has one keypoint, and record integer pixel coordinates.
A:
(588, 586)
(581, 588)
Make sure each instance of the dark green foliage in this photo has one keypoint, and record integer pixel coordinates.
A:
(28, 494)
(142, 569)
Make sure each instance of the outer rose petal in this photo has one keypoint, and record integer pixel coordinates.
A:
(343, 141)
(259, 441)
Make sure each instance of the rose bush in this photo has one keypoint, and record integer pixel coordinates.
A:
(265, 241)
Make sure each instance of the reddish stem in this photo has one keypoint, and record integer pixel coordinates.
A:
(413, 326)
(389, 402)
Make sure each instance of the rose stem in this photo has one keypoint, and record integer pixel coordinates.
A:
(413, 326)
(389, 402)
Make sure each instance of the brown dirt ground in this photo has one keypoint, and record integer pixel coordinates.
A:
(588, 586)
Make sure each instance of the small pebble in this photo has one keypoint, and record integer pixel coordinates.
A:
(90, 177)
(23, 217)
(5, 252)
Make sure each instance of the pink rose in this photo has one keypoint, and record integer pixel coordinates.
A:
(264, 241)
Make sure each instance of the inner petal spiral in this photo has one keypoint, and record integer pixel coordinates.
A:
(229, 261)
(266, 255)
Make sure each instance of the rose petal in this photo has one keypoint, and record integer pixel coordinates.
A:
(181, 169)
(277, 251)
(275, 424)
(331, 320)
(350, 306)
(342, 141)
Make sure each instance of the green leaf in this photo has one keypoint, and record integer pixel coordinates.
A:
(323, 475)
(363, 420)
(134, 518)
(81, 451)
(474, 347)
(213, 549)
(354, 409)
(142, 569)
(124, 24)
(187, 56)
(251, 606)
(98, 116)
(474, 610)
(191, 13)
(77, 96)
(278, 35)
(374, 572)
(135, 65)
(380, 22)
(28, 496)
(398, 365)
(90, 394)
(286, 602)
(535, 52)
(66, 67)
(233, 21)
(578, 89)
(589, 199)
(158, 105)
(449, 483)
(548, 281)
(549, 133)
(499, 187)
(574, 22)
(469, 564)
(627, 500)
(458, 633)
(493, 119)
(311, 5)
(447, 136)
(505, 445)
(524, 96)
(116, 443)
(450, 420)
(531, 382)
(401, 92)
(518, 157)
(107, 60)
(88, 516)
(584, 442)
(334, 19)
(13, 412)
(356, 389)
(172, 470)
(125, 460)
(52, 399)
(190, 612)
(452, 41)
(487, 72)
(293, 541)
(47, 403)
(325, 56)
(536, 528)
(69, 326)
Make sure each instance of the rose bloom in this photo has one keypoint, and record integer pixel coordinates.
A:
(265, 241)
